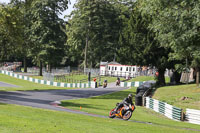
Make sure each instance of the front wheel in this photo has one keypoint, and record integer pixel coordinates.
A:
(127, 115)
(112, 114)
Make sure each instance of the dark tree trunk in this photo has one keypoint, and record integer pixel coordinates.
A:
(85, 58)
(177, 77)
(25, 65)
(197, 76)
(161, 77)
(40, 73)
(50, 68)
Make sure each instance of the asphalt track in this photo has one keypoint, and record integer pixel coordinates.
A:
(2, 84)
(46, 99)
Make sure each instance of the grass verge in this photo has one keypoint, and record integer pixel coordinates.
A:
(23, 84)
(147, 78)
(103, 104)
(19, 119)
(174, 95)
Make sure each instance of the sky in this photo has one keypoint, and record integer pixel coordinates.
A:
(67, 12)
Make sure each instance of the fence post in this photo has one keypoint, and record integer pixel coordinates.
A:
(89, 76)
(182, 115)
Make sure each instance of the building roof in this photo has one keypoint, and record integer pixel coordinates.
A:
(114, 63)
(103, 63)
(109, 63)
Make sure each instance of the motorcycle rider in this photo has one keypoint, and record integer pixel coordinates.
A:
(118, 81)
(126, 101)
(105, 83)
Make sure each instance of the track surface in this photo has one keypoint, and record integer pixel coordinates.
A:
(2, 84)
(45, 98)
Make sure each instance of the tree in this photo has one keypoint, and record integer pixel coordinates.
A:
(11, 31)
(176, 24)
(46, 31)
(93, 27)
(141, 47)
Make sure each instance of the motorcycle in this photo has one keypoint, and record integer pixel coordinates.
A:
(104, 84)
(117, 82)
(124, 112)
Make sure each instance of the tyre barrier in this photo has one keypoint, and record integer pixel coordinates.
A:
(138, 100)
(143, 91)
(192, 116)
(45, 82)
(165, 109)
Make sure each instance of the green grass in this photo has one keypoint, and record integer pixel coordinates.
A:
(111, 79)
(173, 95)
(68, 78)
(20, 119)
(147, 78)
(83, 78)
(142, 78)
(24, 85)
(103, 104)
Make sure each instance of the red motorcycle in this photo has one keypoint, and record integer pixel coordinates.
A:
(124, 112)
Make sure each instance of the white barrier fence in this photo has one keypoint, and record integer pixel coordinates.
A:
(192, 116)
(46, 82)
(165, 109)
(131, 84)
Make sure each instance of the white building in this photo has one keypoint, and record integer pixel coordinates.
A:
(117, 70)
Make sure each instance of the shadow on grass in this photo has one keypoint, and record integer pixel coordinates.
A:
(77, 105)
(116, 95)
(3, 104)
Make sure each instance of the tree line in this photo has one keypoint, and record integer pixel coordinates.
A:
(159, 33)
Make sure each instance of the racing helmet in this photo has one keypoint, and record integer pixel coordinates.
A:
(130, 96)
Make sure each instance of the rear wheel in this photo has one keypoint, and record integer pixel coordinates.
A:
(112, 114)
(127, 115)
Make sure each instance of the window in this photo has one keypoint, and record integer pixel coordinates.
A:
(115, 68)
(126, 68)
(121, 68)
(109, 68)
(133, 69)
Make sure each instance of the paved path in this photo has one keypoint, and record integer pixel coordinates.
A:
(2, 84)
(43, 98)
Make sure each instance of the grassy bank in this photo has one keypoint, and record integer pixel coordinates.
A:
(23, 84)
(19, 119)
(147, 78)
(80, 78)
(103, 104)
(142, 78)
(175, 95)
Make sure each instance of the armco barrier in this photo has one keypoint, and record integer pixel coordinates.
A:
(165, 109)
(131, 84)
(192, 116)
(45, 82)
